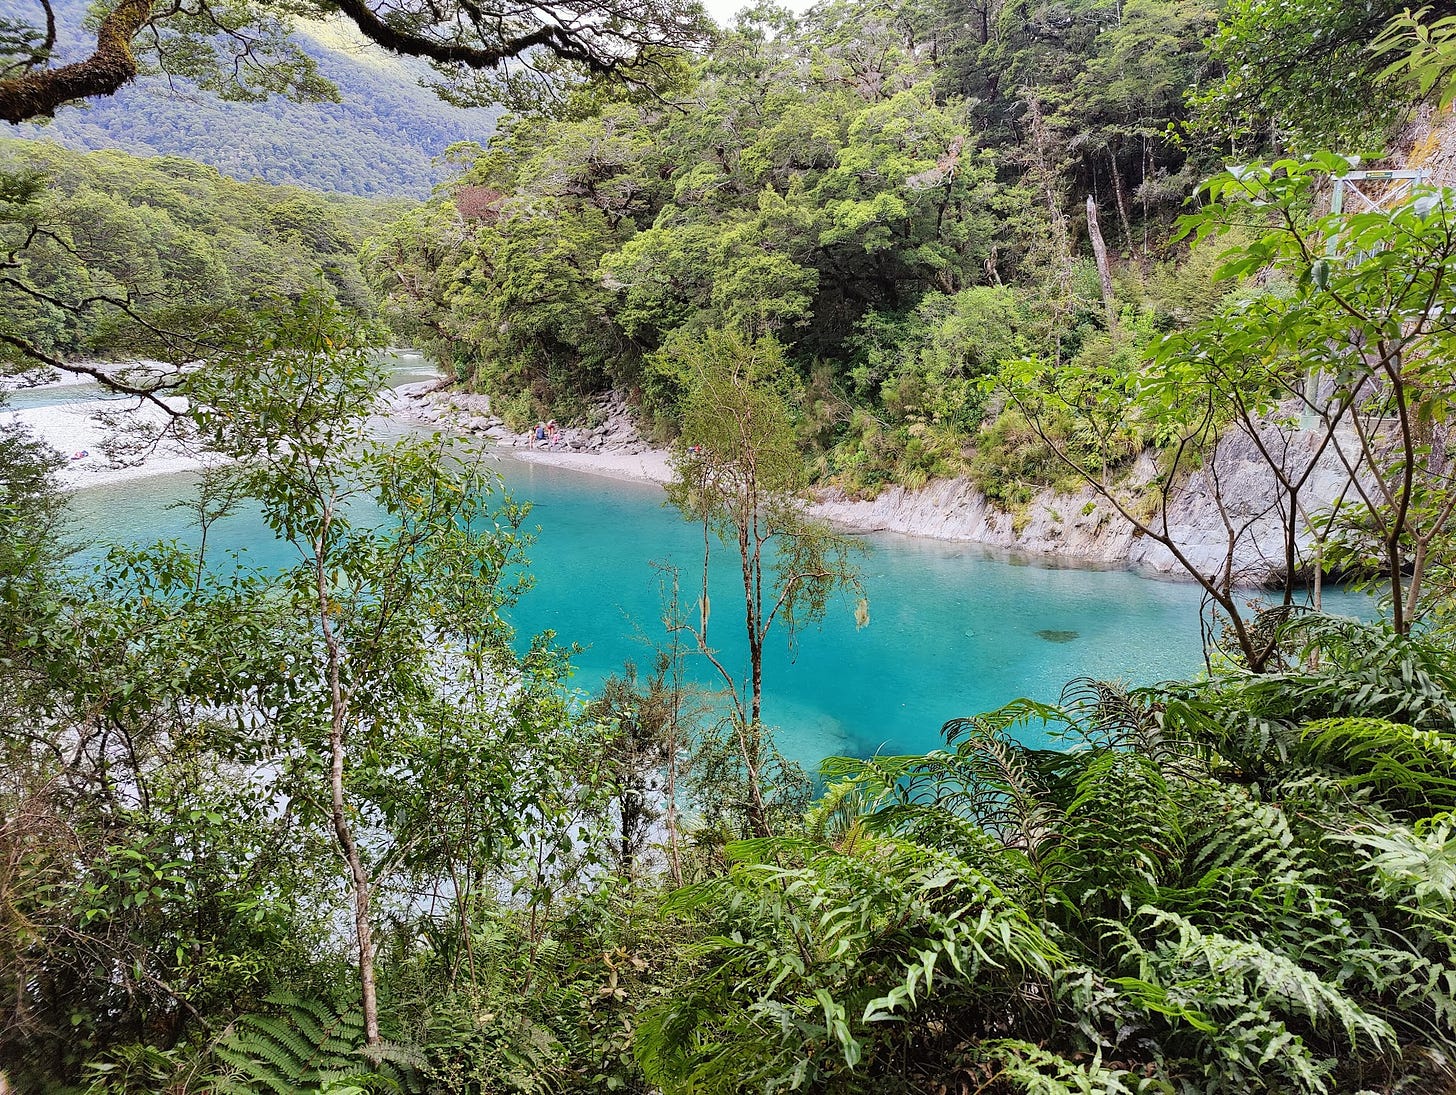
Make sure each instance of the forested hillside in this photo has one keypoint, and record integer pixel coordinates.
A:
(180, 243)
(379, 139)
(899, 194)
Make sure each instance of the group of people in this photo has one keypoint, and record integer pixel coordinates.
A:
(546, 434)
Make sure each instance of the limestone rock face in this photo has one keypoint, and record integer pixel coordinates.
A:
(1248, 532)
(1076, 526)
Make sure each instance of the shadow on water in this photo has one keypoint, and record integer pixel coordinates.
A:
(1052, 635)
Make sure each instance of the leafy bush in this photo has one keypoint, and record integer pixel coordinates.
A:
(1215, 889)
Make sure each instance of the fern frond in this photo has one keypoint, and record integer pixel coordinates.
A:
(1415, 862)
(1418, 767)
(1025, 1067)
(1121, 834)
(1241, 970)
(309, 1046)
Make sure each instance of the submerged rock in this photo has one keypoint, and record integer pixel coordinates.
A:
(1053, 636)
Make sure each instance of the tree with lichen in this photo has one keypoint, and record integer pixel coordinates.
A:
(244, 50)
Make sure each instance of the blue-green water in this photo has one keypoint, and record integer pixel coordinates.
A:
(953, 630)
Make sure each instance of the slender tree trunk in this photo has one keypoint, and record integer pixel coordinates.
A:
(1044, 172)
(674, 722)
(1319, 573)
(1120, 194)
(672, 681)
(1418, 574)
(751, 734)
(1291, 545)
(1404, 497)
(359, 878)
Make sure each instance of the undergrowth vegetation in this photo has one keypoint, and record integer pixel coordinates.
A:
(1212, 887)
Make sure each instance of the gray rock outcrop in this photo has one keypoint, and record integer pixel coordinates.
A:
(1229, 515)
(608, 427)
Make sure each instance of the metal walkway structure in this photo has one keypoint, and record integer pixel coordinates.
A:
(1358, 189)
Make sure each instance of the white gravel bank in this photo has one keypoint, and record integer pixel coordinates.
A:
(73, 430)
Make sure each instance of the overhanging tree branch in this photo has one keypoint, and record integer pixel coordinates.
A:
(111, 66)
(555, 38)
(605, 38)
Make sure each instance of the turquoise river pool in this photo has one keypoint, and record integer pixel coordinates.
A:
(953, 630)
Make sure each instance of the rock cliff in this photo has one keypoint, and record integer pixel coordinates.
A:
(1228, 515)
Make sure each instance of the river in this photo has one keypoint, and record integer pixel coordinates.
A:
(953, 630)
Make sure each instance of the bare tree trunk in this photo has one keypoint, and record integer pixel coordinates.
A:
(750, 743)
(750, 733)
(1104, 268)
(670, 673)
(745, 717)
(674, 724)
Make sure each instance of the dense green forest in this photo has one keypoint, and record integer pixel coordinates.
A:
(380, 139)
(336, 828)
(897, 193)
(180, 244)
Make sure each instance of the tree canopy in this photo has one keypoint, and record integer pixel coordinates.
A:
(111, 256)
(244, 49)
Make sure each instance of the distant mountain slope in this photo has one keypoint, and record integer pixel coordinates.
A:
(378, 142)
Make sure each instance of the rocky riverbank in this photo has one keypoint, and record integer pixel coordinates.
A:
(1228, 520)
(610, 429)
(1080, 527)
(1077, 527)
(611, 445)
